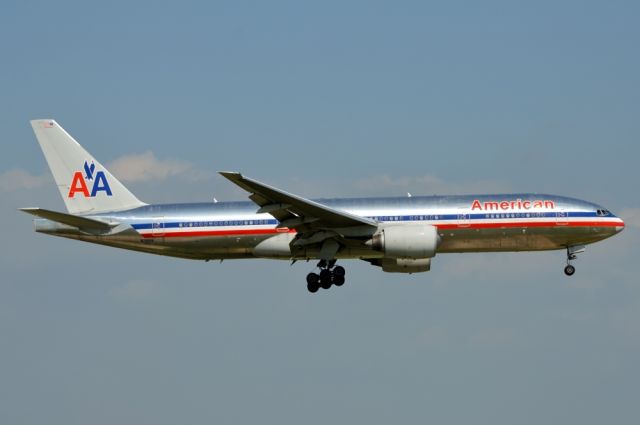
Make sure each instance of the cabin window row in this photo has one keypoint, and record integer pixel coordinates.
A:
(406, 218)
(224, 223)
(516, 215)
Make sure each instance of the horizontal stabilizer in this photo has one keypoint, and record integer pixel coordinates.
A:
(69, 219)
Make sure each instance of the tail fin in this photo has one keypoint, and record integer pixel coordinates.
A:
(85, 185)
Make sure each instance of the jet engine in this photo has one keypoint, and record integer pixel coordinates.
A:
(406, 241)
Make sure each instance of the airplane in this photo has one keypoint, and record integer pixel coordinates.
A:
(399, 235)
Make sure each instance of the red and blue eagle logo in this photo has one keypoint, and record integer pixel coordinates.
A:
(97, 179)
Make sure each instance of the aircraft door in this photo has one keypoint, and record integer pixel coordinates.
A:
(157, 227)
(464, 218)
(562, 218)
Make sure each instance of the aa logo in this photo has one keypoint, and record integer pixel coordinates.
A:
(97, 179)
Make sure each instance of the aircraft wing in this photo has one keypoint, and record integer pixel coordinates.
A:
(311, 219)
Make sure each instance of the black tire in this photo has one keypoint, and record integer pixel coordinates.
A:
(338, 271)
(325, 279)
(313, 287)
(338, 280)
(313, 282)
(569, 270)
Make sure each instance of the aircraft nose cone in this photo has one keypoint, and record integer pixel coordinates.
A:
(620, 227)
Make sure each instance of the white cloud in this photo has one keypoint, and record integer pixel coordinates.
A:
(631, 217)
(146, 167)
(17, 178)
(129, 168)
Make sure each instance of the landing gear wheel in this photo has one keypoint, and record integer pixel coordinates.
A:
(330, 274)
(313, 282)
(569, 270)
(325, 278)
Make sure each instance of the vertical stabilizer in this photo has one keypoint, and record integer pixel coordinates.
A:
(85, 185)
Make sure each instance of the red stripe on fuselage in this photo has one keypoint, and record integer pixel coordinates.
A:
(497, 225)
(440, 226)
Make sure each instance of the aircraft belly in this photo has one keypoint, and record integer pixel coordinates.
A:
(519, 238)
(215, 246)
(452, 240)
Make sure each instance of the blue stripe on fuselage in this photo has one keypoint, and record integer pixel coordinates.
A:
(385, 218)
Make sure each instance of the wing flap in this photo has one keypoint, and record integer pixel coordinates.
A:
(270, 208)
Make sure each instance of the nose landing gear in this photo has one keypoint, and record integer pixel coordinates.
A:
(572, 254)
(330, 274)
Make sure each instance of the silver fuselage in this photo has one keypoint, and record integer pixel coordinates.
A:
(469, 223)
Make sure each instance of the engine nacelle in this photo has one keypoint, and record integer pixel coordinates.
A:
(404, 265)
(406, 241)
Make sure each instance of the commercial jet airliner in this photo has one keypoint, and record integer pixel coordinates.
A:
(398, 235)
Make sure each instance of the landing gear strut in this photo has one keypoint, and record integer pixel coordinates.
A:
(330, 274)
(572, 254)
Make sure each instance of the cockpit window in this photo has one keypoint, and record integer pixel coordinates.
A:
(603, 213)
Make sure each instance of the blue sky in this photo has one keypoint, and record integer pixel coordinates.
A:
(326, 99)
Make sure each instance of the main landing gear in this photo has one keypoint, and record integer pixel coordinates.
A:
(572, 254)
(330, 274)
